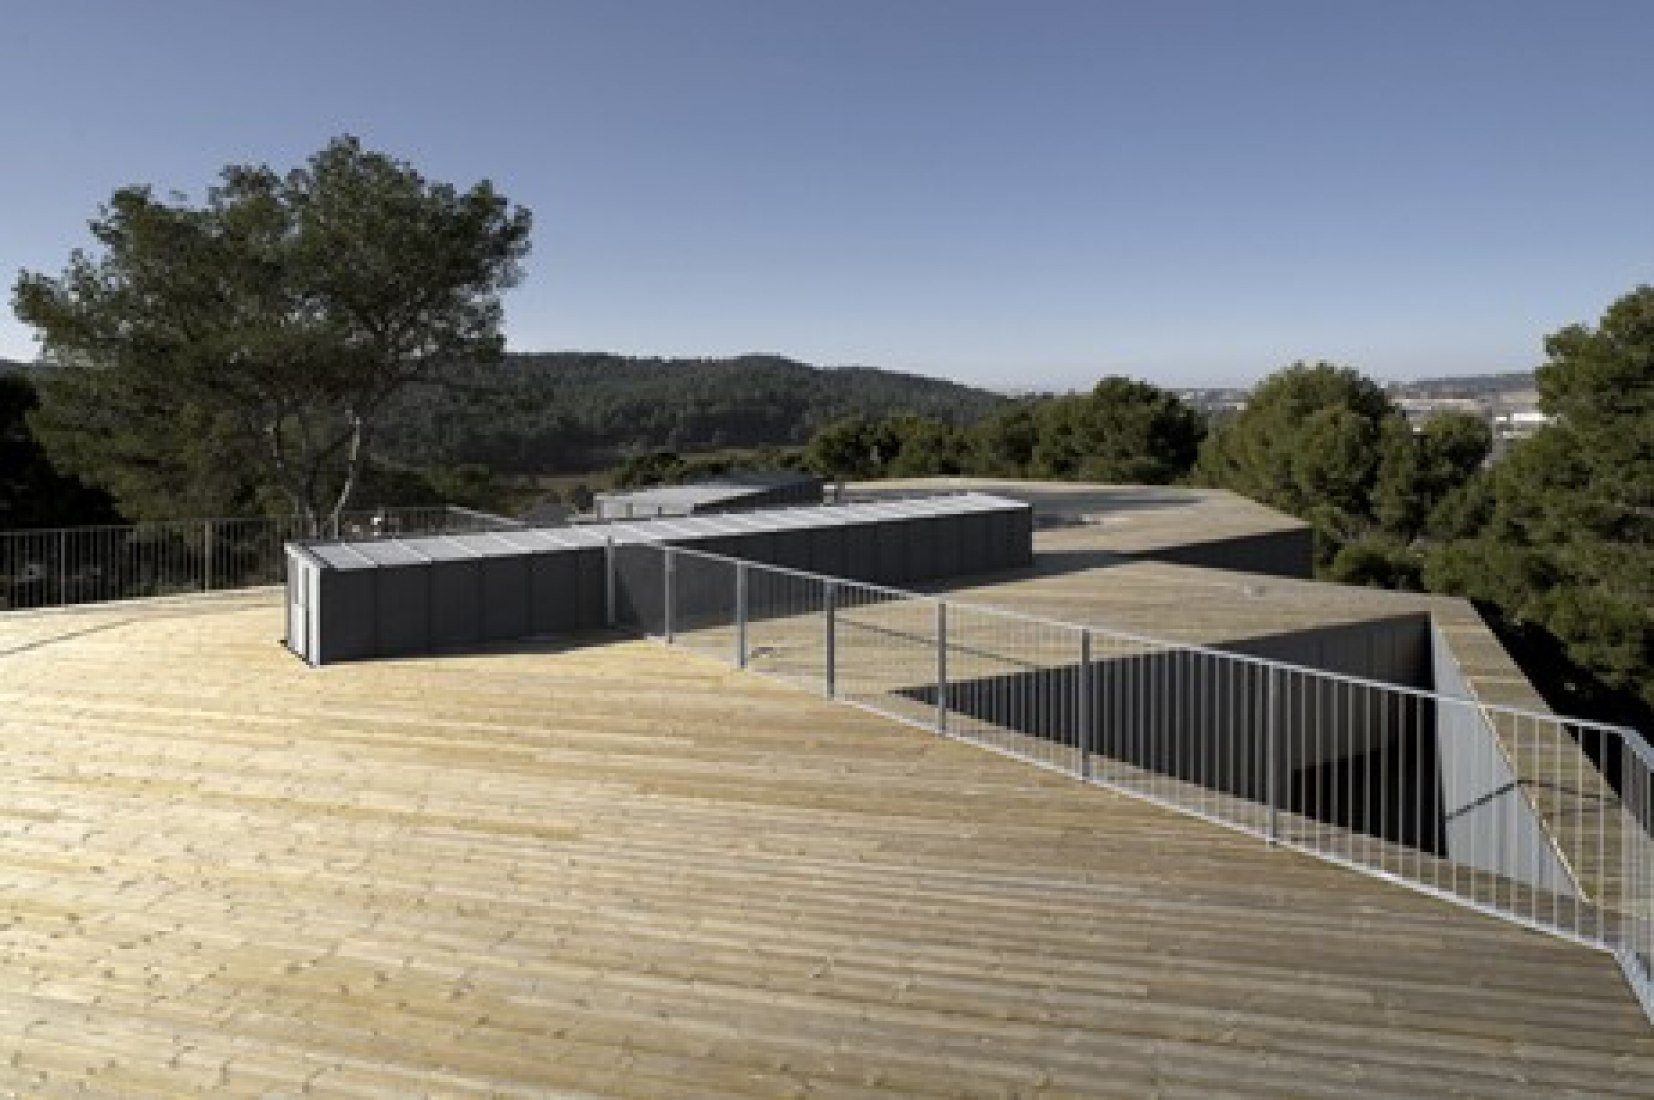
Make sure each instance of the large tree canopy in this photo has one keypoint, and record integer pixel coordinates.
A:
(1123, 431)
(248, 344)
(33, 493)
(1308, 442)
(1560, 532)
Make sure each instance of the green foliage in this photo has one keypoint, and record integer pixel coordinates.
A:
(33, 492)
(651, 468)
(250, 344)
(670, 468)
(1375, 562)
(1123, 431)
(573, 411)
(1308, 443)
(1419, 471)
(1002, 445)
(847, 448)
(472, 486)
(1559, 535)
(923, 447)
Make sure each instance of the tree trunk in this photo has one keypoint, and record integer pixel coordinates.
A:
(353, 465)
(303, 507)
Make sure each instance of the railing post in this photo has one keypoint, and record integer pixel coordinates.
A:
(1083, 708)
(206, 555)
(63, 568)
(669, 572)
(1272, 755)
(610, 619)
(941, 667)
(741, 614)
(829, 607)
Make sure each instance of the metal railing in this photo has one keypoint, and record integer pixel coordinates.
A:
(56, 567)
(1542, 820)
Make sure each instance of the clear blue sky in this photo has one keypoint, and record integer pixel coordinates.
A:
(1015, 194)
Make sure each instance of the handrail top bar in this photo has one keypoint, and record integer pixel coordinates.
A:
(1634, 739)
(193, 523)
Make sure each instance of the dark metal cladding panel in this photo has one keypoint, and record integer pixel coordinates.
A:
(790, 549)
(918, 556)
(456, 604)
(591, 598)
(1020, 545)
(347, 625)
(974, 532)
(758, 546)
(829, 555)
(404, 612)
(892, 553)
(861, 552)
(946, 533)
(1000, 528)
(714, 544)
(505, 598)
(1010, 540)
(554, 585)
(703, 591)
(640, 589)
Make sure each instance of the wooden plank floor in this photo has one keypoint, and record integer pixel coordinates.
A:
(618, 869)
(1575, 806)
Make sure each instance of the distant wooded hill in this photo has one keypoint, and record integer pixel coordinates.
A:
(545, 412)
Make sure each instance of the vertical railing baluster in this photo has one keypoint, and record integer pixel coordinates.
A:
(741, 614)
(610, 582)
(941, 666)
(1083, 707)
(829, 609)
(1272, 737)
(669, 569)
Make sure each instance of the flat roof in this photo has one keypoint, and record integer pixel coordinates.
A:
(1127, 519)
(727, 487)
(620, 868)
(371, 553)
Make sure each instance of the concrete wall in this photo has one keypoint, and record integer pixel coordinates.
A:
(1340, 749)
(1488, 820)
(1275, 553)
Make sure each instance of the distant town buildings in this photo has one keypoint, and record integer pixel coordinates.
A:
(1509, 403)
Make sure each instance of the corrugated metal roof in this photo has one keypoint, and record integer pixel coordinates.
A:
(379, 553)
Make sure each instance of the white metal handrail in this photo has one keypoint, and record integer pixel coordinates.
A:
(62, 566)
(1541, 820)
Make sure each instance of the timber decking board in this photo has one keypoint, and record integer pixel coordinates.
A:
(1577, 809)
(620, 869)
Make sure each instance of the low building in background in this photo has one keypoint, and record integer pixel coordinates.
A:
(736, 492)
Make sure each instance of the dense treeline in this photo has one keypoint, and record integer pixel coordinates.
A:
(1123, 430)
(472, 438)
(544, 413)
(1555, 541)
(1559, 534)
(33, 491)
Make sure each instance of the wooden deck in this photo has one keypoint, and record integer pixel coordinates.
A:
(617, 869)
(1075, 580)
